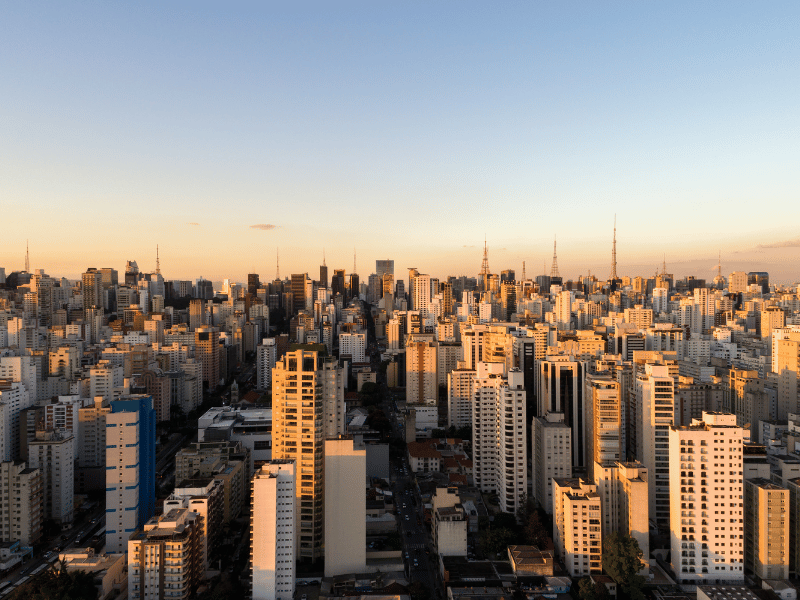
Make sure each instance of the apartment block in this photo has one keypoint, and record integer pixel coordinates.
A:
(706, 508)
(164, 557)
(273, 521)
(766, 529)
(577, 530)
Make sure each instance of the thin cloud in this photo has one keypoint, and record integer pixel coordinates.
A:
(786, 244)
(465, 246)
(263, 226)
(194, 224)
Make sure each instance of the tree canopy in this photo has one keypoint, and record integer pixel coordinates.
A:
(622, 561)
(591, 590)
(58, 585)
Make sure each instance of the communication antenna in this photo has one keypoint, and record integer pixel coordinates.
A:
(27, 258)
(485, 266)
(554, 269)
(278, 264)
(614, 252)
(158, 262)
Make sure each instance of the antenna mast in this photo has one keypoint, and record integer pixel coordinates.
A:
(554, 269)
(485, 266)
(524, 277)
(614, 252)
(27, 258)
(277, 264)
(158, 262)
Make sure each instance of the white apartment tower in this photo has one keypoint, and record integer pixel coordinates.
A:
(345, 507)
(551, 456)
(577, 533)
(460, 393)
(604, 421)
(21, 511)
(273, 520)
(53, 453)
(623, 502)
(499, 440)
(266, 356)
(654, 409)
(353, 344)
(706, 508)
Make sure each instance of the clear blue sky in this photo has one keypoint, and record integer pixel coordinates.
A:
(408, 130)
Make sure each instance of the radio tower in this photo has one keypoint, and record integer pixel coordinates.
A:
(524, 277)
(277, 264)
(554, 269)
(485, 267)
(27, 258)
(354, 260)
(614, 252)
(719, 266)
(158, 262)
(664, 266)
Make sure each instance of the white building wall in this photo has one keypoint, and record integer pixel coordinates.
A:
(273, 541)
(345, 507)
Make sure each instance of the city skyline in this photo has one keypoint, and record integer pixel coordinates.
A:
(781, 272)
(408, 131)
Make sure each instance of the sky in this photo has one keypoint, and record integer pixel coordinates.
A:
(229, 133)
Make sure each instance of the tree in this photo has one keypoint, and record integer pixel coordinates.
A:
(58, 585)
(591, 590)
(534, 531)
(622, 561)
(504, 521)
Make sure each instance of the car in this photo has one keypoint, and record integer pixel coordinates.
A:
(406, 555)
(304, 597)
(407, 518)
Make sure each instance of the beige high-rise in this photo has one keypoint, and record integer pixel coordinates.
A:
(307, 408)
(766, 529)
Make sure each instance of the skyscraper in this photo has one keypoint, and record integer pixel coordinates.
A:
(706, 490)
(130, 468)
(92, 289)
(206, 350)
(307, 407)
(273, 520)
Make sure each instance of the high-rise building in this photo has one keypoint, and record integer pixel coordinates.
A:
(654, 390)
(345, 507)
(551, 456)
(500, 461)
(577, 533)
(354, 345)
(623, 502)
(92, 289)
(422, 369)
(130, 468)
(253, 284)
(22, 508)
(266, 356)
(561, 390)
(206, 350)
(766, 529)
(421, 294)
(706, 508)
(14, 398)
(299, 291)
(307, 408)
(383, 267)
(197, 313)
(164, 559)
(460, 394)
(273, 521)
(53, 453)
(604, 421)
